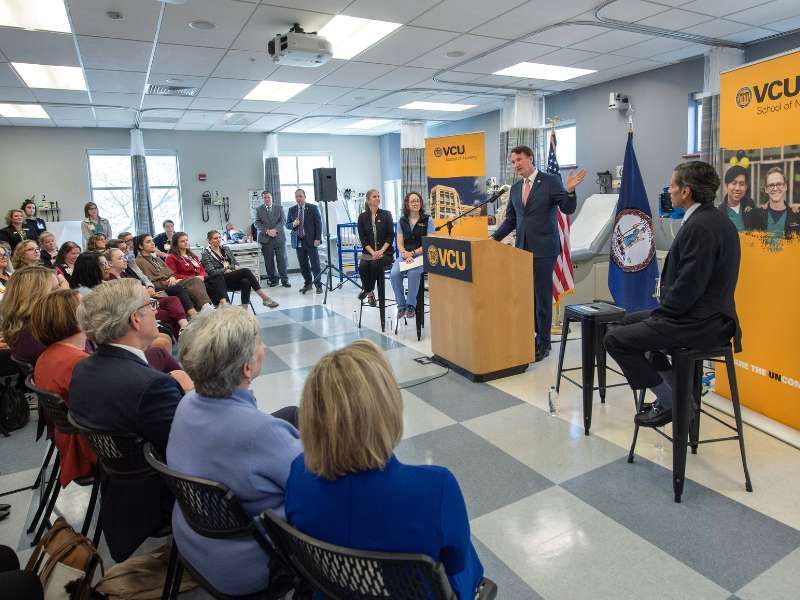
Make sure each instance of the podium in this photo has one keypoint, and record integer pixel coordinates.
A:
(481, 298)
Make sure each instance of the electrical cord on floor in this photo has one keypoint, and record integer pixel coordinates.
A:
(428, 380)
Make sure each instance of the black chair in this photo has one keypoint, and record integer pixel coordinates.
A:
(419, 317)
(382, 305)
(233, 295)
(55, 412)
(687, 370)
(212, 510)
(345, 574)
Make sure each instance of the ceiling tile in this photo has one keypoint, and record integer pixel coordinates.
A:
(191, 127)
(207, 117)
(158, 125)
(402, 77)
(166, 102)
(115, 124)
(162, 113)
(766, 13)
(329, 109)
(229, 16)
(405, 44)
(652, 48)
(104, 53)
(295, 108)
(683, 53)
(355, 98)
(8, 77)
(566, 35)
(324, 6)
(532, 16)
(675, 19)
(305, 75)
(717, 8)
(269, 122)
(212, 103)
(749, 35)
(109, 114)
(269, 21)
(785, 24)
(604, 61)
(65, 96)
(631, 10)
(613, 40)
(389, 10)
(355, 74)
(506, 57)
(716, 28)
(320, 94)
(398, 99)
(69, 112)
(129, 82)
(463, 15)
(227, 88)
(245, 64)
(138, 22)
(115, 99)
(470, 45)
(32, 122)
(40, 47)
(76, 123)
(257, 106)
(229, 128)
(186, 60)
(565, 57)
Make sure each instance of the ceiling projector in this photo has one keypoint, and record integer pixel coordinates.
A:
(299, 49)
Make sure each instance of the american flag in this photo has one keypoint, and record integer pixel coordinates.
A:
(563, 276)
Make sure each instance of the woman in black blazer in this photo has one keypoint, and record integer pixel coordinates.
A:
(376, 232)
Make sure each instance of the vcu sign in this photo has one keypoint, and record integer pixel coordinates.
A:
(448, 257)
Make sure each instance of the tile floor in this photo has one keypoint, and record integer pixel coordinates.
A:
(555, 514)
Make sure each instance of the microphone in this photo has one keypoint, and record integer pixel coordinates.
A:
(498, 193)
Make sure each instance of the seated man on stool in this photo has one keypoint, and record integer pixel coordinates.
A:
(697, 308)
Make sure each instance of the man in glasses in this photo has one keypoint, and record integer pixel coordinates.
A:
(776, 217)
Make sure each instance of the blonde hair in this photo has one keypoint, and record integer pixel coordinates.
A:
(10, 215)
(19, 252)
(351, 412)
(25, 289)
(366, 198)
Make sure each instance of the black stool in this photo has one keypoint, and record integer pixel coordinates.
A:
(420, 308)
(594, 319)
(687, 370)
(381, 285)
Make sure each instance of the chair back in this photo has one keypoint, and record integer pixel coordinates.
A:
(345, 574)
(24, 367)
(210, 508)
(119, 453)
(52, 406)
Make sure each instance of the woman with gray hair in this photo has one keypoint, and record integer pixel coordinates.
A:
(219, 433)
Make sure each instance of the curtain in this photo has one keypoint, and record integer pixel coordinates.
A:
(142, 208)
(412, 172)
(535, 139)
(272, 178)
(709, 133)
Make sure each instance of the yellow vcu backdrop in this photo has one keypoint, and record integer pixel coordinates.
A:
(456, 156)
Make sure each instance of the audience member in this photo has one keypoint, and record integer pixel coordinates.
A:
(5, 253)
(19, 585)
(15, 231)
(376, 233)
(26, 254)
(219, 260)
(48, 249)
(116, 390)
(219, 433)
(35, 226)
(162, 277)
(349, 489)
(26, 288)
(65, 259)
(97, 242)
(54, 323)
(164, 239)
(269, 222)
(93, 223)
(127, 237)
(185, 264)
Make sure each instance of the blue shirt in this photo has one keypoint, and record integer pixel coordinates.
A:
(401, 508)
(231, 441)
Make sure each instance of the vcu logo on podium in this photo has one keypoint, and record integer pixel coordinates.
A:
(451, 258)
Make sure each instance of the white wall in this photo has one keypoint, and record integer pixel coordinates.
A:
(53, 161)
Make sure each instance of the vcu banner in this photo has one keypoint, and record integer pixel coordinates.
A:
(760, 140)
(456, 167)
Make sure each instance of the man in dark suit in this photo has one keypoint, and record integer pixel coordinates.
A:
(697, 308)
(116, 390)
(531, 211)
(269, 223)
(305, 223)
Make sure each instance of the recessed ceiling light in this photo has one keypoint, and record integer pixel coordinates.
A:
(440, 106)
(531, 70)
(173, 80)
(369, 123)
(351, 35)
(44, 15)
(23, 111)
(50, 76)
(275, 91)
(455, 54)
(204, 25)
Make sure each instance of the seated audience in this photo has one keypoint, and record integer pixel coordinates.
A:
(54, 323)
(48, 249)
(93, 223)
(26, 288)
(219, 260)
(185, 264)
(127, 237)
(413, 226)
(164, 279)
(26, 254)
(5, 259)
(165, 239)
(169, 310)
(35, 226)
(219, 433)
(116, 390)
(65, 260)
(97, 242)
(349, 489)
(15, 232)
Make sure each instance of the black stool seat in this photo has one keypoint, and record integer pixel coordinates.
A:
(687, 370)
(594, 319)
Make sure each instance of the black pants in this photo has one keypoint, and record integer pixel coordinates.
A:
(242, 280)
(274, 253)
(181, 294)
(15, 583)
(216, 288)
(371, 270)
(543, 299)
(309, 264)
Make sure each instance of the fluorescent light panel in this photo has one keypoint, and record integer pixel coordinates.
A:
(23, 111)
(369, 123)
(51, 77)
(531, 70)
(440, 106)
(44, 15)
(275, 91)
(350, 35)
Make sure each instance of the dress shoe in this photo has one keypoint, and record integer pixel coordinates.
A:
(363, 294)
(371, 299)
(542, 353)
(270, 303)
(286, 284)
(273, 284)
(319, 289)
(305, 288)
(411, 313)
(657, 416)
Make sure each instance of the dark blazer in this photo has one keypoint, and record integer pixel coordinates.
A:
(272, 218)
(312, 223)
(35, 227)
(213, 265)
(698, 281)
(13, 237)
(535, 223)
(384, 227)
(114, 390)
(759, 219)
(160, 240)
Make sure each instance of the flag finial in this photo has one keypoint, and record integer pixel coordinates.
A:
(630, 118)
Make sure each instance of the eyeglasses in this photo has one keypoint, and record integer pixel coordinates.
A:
(774, 186)
(152, 303)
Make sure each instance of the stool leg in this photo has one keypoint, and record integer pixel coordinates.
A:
(87, 521)
(561, 351)
(382, 300)
(587, 368)
(420, 316)
(600, 330)
(166, 592)
(697, 391)
(48, 490)
(638, 400)
(737, 413)
(43, 524)
(360, 312)
(46, 462)
(680, 419)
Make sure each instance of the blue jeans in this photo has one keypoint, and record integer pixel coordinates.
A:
(414, 277)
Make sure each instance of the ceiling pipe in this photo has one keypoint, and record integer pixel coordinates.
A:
(138, 118)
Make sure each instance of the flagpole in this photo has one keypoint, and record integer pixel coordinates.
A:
(557, 325)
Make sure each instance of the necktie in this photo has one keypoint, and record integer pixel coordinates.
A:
(301, 232)
(526, 190)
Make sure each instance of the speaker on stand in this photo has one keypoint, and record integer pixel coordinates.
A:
(325, 192)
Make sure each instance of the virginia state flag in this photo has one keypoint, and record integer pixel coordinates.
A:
(633, 268)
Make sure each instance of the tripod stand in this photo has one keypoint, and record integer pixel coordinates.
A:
(329, 268)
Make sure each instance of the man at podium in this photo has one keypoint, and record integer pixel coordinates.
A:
(531, 212)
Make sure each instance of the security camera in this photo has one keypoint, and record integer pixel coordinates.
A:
(618, 101)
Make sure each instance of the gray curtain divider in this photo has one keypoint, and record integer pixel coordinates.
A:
(709, 133)
(272, 178)
(142, 208)
(412, 172)
(536, 139)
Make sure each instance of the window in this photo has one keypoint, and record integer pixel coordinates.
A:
(566, 146)
(110, 182)
(296, 171)
(695, 124)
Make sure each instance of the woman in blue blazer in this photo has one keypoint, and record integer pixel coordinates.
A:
(349, 489)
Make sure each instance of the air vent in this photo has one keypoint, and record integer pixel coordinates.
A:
(169, 90)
